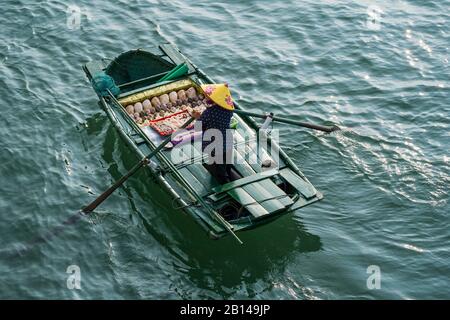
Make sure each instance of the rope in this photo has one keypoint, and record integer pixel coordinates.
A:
(103, 84)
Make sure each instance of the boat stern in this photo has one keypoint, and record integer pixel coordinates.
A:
(258, 199)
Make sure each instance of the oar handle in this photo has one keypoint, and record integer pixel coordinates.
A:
(288, 121)
(306, 125)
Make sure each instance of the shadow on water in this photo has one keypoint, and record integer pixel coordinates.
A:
(223, 265)
(213, 265)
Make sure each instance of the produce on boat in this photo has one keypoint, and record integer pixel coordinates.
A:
(182, 95)
(164, 99)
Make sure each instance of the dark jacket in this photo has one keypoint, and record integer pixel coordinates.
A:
(218, 118)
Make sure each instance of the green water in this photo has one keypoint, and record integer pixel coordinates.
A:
(385, 177)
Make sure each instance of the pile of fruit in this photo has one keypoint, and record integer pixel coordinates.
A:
(166, 105)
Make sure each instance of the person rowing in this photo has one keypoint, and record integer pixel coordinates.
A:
(217, 138)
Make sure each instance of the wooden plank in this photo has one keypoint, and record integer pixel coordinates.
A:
(202, 175)
(217, 196)
(253, 152)
(242, 165)
(262, 195)
(197, 152)
(154, 76)
(241, 196)
(300, 202)
(243, 132)
(178, 155)
(176, 56)
(246, 180)
(172, 53)
(305, 188)
(192, 180)
(95, 66)
(197, 169)
(239, 161)
(137, 138)
(247, 152)
(156, 89)
(268, 184)
(145, 149)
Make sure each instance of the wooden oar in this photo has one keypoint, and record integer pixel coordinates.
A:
(257, 115)
(94, 204)
(289, 121)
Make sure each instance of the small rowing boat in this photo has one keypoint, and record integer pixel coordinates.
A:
(270, 184)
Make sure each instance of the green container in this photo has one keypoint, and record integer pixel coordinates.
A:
(179, 71)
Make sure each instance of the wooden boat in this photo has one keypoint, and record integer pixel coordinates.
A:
(260, 196)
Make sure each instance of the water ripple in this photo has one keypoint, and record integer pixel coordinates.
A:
(385, 176)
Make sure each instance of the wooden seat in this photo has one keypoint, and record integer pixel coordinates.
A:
(305, 188)
(257, 193)
(261, 197)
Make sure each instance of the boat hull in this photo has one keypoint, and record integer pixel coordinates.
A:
(173, 180)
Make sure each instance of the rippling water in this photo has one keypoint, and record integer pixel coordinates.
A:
(385, 177)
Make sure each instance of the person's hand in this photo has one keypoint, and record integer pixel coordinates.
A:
(195, 114)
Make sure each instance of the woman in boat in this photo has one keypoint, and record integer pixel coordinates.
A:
(215, 122)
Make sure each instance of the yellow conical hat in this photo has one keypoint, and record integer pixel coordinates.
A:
(219, 94)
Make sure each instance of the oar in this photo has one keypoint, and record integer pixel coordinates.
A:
(289, 121)
(257, 115)
(94, 204)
